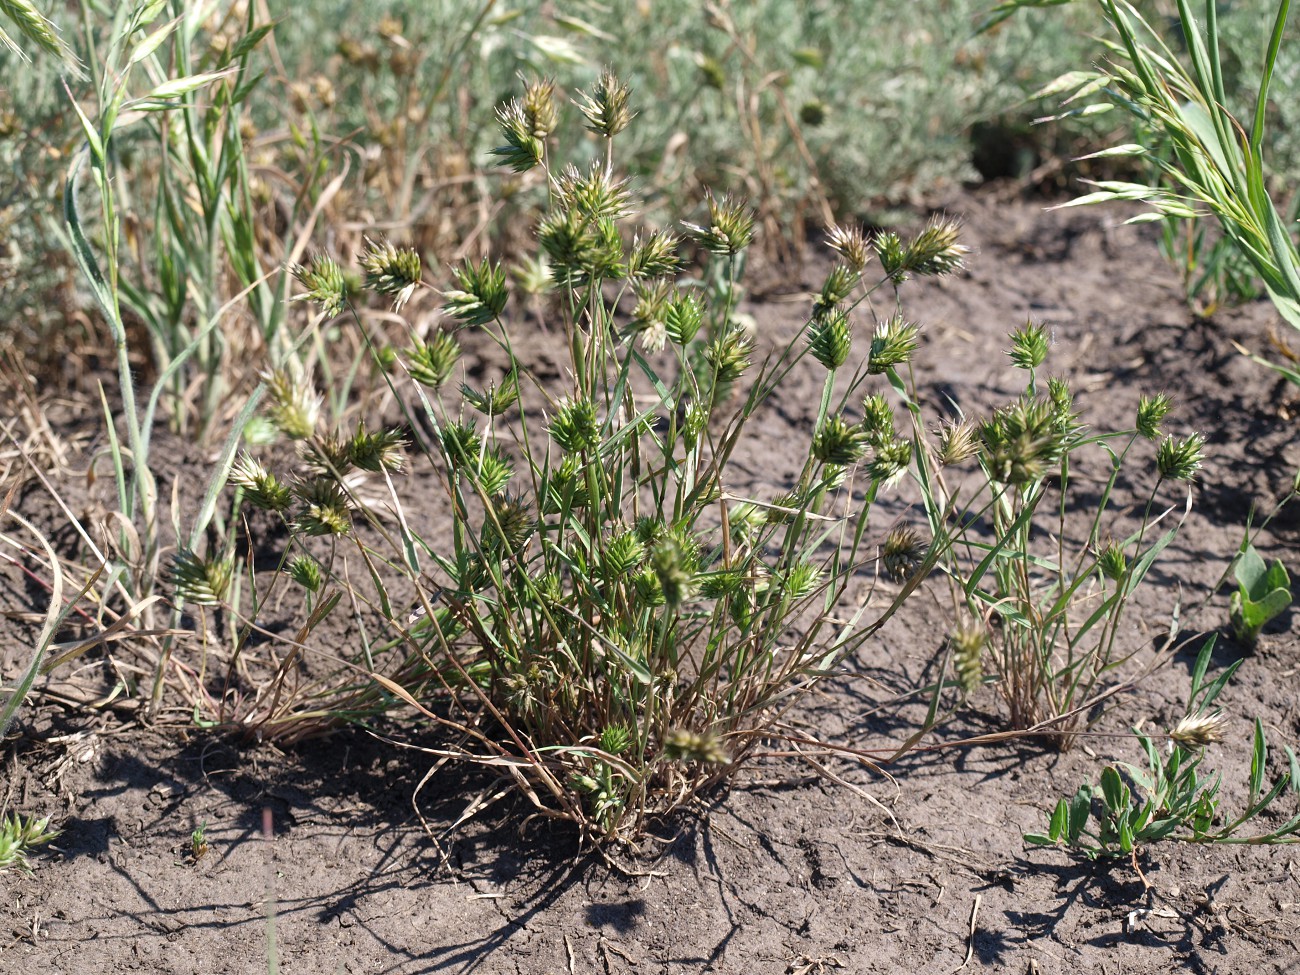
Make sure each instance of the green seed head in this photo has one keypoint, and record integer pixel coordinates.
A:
(1112, 562)
(305, 571)
(837, 288)
(606, 106)
(851, 244)
(481, 296)
(892, 345)
(325, 508)
(1179, 460)
(376, 452)
(1151, 412)
(391, 271)
(957, 442)
(431, 364)
(540, 115)
(198, 580)
(624, 554)
(731, 226)
(575, 428)
(523, 149)
(654, 257)
(830, 338)
(682, 318)
(839, 443)
(261, 488)
(294, 404)
(325, 284)
(935, 250)
(877, 419)
(902, 553)
(891, 460)
(1029, 346)
(1021, 442)
(681, 745)
(968, 640)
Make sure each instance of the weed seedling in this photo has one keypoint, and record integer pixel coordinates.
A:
(1263, 593)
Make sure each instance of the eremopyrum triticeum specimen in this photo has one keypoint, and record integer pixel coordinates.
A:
(968, 640)
(1198, 730)
(830, 338)
(892, 345)
(198, 580)
(325, 283)
(261, 488)
(295, 405)
(1151, 412)
(431, 362)
(1029, 346)
(839, 443)
(606, 105)
(902, 553)
(391, 271)
(1179, 460)
(481, 296)
(730, 229)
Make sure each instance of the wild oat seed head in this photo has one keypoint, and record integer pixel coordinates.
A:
(1151, 412)
(261, 488)
(851, 244)
(199, 580)
(830, 338)
(305, 571)
(892, 345)
(431, 363)
(731, 226)
(1029, 346)
(902, 553)
(839, 443)
(957, 442)
(325, 282)
(1198, 730)
(1179, 460)
(606, 106)
(391, 271)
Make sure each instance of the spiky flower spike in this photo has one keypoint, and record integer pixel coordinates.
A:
(594, 194)
(1179, 460)
(295, 406)
(968, 640)
(575, 428)
(606, 106)
(495, 398)
(1112, 562)
(431, 363)
(837, 287)
(482, 294)
(616, 739)
(830, 338)
(838, 443)
(1028, 346)
(325, 508)
(851, 244)
(261, 488)
(376, 452)
(1198, 730)
(540, 114)
(731, 226)
(509, 526)
(957, 442)
(891, 460)
(654, 257)
(902, 553)
(877, 419)
(40, 30)
(523, 150)
(305, 571)
(18, 835)
(682, 318)
(391, 271)
(673, 562)
(1152, 411)
(935, 251)
(324, 281)
(681, 745)
(199, 580)
(1021, 441)
(892, 345)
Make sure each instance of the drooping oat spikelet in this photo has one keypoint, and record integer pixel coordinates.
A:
(35, 27)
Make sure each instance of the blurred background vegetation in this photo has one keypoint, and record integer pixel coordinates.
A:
(379, 117)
